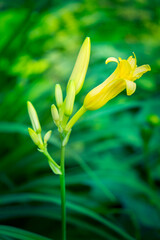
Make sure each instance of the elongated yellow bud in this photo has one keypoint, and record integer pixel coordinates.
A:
(81, 65)
(34, 136)
(69, 99)
(58, 95)
(34, 117)
(55, 114)
(47, 136)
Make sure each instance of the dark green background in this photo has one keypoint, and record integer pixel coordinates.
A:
(113, 156)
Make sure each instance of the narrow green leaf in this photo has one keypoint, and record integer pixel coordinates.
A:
(19, 233)
(15, 198)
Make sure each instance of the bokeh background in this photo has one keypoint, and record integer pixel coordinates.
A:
(113, 156)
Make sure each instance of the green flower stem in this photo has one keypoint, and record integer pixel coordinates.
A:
(64, 121)
(63, 193)
(40, 138)
(75, 118)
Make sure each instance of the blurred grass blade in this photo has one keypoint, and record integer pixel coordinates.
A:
(49, 213)
(19, 233)
(27, 197)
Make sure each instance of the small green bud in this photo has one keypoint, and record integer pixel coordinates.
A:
(34, 136)
(69, 98)
(47, 136)
(55, 114)
(58, 95)
(34, 117)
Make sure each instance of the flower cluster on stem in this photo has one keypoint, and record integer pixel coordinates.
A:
(122, 78)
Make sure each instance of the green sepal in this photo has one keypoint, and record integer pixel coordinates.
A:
(47, 136)
(53, 165)
(40, 150)
(54, 168)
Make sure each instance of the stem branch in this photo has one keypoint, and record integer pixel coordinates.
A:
(75, 118)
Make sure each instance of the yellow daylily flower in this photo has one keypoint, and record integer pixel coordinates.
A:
(123, 77)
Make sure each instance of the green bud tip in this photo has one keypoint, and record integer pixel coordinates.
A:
(54, 112)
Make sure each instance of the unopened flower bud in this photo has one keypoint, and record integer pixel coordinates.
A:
(58, 95)
(34, 117)
(81, 65)
(47, 136)
(55, 114)
(34, 136)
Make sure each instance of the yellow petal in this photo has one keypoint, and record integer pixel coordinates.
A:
(132, 61)
(111, 59)
(81, 65)
(130, 87)
(101, 94)
(125, 69)
(139, 71)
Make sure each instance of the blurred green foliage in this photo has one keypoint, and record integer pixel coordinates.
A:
(112, 163)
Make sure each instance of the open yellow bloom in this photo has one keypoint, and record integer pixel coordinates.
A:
(123, 77)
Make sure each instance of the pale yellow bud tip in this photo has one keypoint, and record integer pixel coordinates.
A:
(34, 117)
(34, 136)
(58, 95)
(47, 136)
(54, 112)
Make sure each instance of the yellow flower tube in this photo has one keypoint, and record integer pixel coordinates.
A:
(123, 77)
